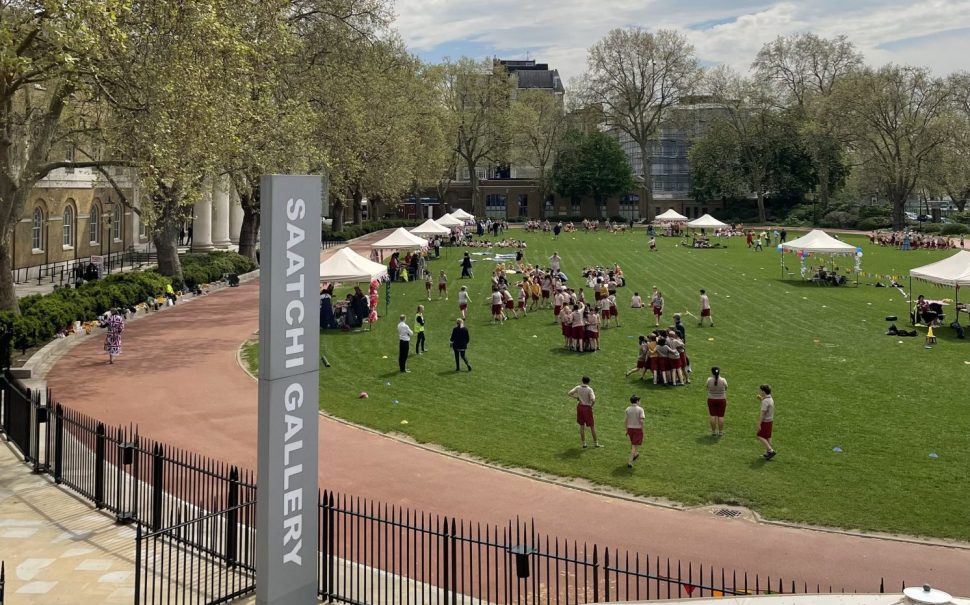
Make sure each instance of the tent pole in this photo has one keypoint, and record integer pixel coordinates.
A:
(957, 306)
(909, 304)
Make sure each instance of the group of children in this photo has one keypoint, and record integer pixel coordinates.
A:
(663, 353)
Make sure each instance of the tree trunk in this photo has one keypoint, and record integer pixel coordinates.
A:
(358, 205)
(899, 205)
(762, 217)
(8, 295)
(248, 234)
(823, 185)
(337, 220)
(166, 242)
(478, 205)
(646, 189)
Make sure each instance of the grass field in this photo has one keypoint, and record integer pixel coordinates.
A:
(838, 381)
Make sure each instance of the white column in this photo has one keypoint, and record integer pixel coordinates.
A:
(220, 212)
(202, 224)
(235, 216)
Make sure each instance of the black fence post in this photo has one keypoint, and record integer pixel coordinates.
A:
(99, 466)
(454, 564)
(58, 442)
(331, 546)
(596, 576)
(232, 516)
(158, 465)
(138, 540)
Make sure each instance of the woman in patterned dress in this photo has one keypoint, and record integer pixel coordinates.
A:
(112, 342)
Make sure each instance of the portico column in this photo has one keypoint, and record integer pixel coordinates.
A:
(202, 224)
(235, 216)
(220, 212)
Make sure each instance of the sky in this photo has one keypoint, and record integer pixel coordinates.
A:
(930, 33)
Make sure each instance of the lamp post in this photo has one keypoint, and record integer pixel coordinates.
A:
(111, 216)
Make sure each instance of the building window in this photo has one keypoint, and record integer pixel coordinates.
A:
(523, 205)
(68, 226)
(495, 205)
(548, 209)
(630, 207)
(116, 219)
(94, 224)
(574, 207)
(142, 229)
(37, 230)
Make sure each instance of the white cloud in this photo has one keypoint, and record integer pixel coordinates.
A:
(560, 32)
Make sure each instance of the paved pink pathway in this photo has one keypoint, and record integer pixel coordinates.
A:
(179, 381)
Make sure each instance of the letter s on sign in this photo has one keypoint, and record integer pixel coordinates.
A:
(295, 209)
(294, 396)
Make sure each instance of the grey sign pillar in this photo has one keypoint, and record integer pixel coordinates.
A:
(289, 352)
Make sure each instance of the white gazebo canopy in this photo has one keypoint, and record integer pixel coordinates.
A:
(462, 215)
(707, 222)
(449, 221)
(953, 271)
(671, 216)
(429, 227)
(819, 242)
(400, 239)
(348, 266)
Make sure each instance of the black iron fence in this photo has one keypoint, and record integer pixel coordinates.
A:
(3, 580)
(195, 525)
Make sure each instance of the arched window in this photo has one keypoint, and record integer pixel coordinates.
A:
(68, 226)
(37, 229)
(116, 222)
(94, 223)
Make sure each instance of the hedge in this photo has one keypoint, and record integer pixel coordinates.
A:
(350, 232)
(43, 315)
(875, 222)
(209, 267)
(954, 229)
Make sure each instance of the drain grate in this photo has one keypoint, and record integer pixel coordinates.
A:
(727, 512)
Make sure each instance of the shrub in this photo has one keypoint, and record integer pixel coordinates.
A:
(930, 227)
(875, 222)
(954, 229)
(350, 232)
(212, 266)
(961, 217)
(839, 219)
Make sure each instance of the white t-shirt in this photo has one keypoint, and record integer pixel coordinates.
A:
(636, 302)
(497, 297)
(767, 409)
(404, 331)
(705, 302)
(584, 393)
(634, 417)
(462, 297)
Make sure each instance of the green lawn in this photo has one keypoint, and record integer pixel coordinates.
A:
(838, 382)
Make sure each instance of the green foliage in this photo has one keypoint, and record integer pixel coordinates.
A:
(875, 222)
(205, 268)
(839, 219)
(350, 232)
(592, 164)
(961, 217)
(43, 315)
(954, 229)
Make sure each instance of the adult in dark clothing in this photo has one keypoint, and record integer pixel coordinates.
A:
(437, 247)
(188, 239)
(466, 266)
(182, 235)
(327, 319)
(459, 343)
(360, 306)
(413, 267)
(481, 229)
(783, 235)
(392, 266)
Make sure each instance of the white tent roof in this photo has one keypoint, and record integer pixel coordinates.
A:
(707, 222)
(450, 221)
(671, 215)
(429, 227)
(346, 265)
(400, 239)
(821, 242)
(462, 215)
(953, 271)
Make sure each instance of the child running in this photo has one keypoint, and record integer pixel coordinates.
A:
(497, 314)
(523, 297)
(463, 300)
(766, 419)
(442, 286)
(705, 309)
(642, 351)
(427, 285)
(634, 428)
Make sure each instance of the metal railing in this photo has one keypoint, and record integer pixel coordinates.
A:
(3, 580)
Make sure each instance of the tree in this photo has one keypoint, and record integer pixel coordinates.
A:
(592, 164)
(538, 122)
(951, 168)
(803, 69)
(476, 96)
(750, 147)
(51, 54)
(636, 76)
(896, 118)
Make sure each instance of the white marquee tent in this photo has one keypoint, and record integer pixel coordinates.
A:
(462, 215)
(953, 271)
(429, 227)
(819, 242)
(400, 239)
(449, 221)
(707, 222)
(671, 216)
(348, 266)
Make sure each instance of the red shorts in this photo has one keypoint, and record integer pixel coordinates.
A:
(674, 363)
(683, 360)
(614, 312)
(658, 311)
(605, 314)
(462, 307)
(705, 312)
(663, 364)
(716, 407)
(545, 294)
(641, 364)
(592, 335)
(577, 332)
(535, 297)
(521, 304)
(442, 287)
(598, 296)
(653, 363)
(509, 304)
(556, 310)
(584, 415)
(496, 309)
(764, 432)
(635, 435)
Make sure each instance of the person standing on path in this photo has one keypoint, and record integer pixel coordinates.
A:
(634, 428)
(766, 419)
(459, 343)
(716, 401)
(419, 346)
(705, 303)
(585, 398)
(404, 334)
(112, 341)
